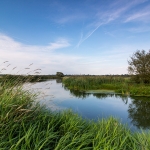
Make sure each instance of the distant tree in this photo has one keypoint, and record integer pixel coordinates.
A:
(60, 74)
(139, 66)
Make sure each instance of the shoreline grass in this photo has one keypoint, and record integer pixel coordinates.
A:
(24, 124)
(119, 84)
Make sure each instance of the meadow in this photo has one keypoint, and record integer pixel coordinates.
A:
(120, 85)
(24, 124)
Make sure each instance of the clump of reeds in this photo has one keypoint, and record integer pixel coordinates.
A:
(86, 83)
(118, 84)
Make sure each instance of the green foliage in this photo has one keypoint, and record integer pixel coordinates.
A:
(139, 66)
(59, 74)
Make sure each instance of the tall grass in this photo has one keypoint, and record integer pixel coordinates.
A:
(86, 83)
(118, 84)
(25, 125)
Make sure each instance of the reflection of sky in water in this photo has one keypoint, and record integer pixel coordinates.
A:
(55, 97)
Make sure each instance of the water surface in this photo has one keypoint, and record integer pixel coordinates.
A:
(133, 111)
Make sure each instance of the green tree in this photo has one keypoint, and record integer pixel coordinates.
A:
(59, 74)
(139, 66)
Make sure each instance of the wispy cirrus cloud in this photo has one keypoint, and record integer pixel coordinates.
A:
(82, 39)
(139, 15)
(70, 18)
(112, 13)
(139, 29)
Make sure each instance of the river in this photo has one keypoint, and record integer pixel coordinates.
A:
(132, 111)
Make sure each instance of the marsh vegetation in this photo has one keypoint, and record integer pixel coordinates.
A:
(24, 124)
(121, 85)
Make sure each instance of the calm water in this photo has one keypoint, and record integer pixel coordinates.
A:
(134, 111)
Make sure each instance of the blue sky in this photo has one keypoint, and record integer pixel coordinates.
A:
(72, 36)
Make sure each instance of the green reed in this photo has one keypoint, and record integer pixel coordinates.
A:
(24, 124)
(118, 84)
(86, 83)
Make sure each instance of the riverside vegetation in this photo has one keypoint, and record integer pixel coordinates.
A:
(24, 124)
(31, 78)
(122, 85)
(138, 84)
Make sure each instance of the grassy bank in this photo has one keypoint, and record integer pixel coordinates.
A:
(24, 125)
(24, 78)
(118, 84)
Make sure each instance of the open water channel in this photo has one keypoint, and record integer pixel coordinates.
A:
(133, 111)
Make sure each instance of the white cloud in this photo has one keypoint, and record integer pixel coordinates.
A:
(7, 43)
(22, 55)
(61, 43)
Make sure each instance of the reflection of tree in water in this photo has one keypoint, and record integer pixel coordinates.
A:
(79, 94)
(59, 80)
(105, 95)
(76, 93)
(122, 97)
(139, 112)
(65, 87)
